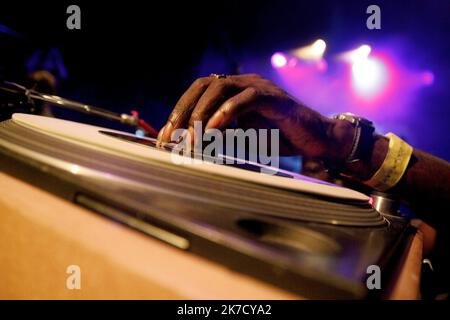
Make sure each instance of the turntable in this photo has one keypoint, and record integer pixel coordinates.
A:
(301, 234)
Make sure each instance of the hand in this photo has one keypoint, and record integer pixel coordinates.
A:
(257, 103)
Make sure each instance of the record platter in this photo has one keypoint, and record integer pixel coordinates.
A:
(301, 234)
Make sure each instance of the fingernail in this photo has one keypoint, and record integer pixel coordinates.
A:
(158, 138)
(160, 133)
(165, 137)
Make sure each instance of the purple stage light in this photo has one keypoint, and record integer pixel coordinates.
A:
(278, 60)
(428, 78)
(362, 52)
(312, 52)
(369, 77)
(292, 62)
(373, 82)
(351, 56)
(322, 65)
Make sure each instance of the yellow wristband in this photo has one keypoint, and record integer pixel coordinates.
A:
(394, 165)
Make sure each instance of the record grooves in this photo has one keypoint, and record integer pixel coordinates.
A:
(225, 192)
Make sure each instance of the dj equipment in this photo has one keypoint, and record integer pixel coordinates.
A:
(301, 234)
(17, 98)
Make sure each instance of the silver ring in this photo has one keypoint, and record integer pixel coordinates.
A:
(218, 76)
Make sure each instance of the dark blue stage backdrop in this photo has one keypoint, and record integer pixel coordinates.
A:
(136, 55)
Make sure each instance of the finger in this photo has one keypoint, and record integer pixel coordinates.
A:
(231, 108)
(158, 138)
(182, 111)
(216, 94)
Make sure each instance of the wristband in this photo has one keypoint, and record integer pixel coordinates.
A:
(394, 165)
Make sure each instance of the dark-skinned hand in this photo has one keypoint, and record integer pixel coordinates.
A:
(257, 103)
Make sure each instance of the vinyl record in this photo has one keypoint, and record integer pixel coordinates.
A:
(113, 141)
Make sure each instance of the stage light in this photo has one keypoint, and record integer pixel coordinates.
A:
(318, 48)
(359, 53)
(369, 76)
(428, 78)
(313, 51)
(362, 52)
(278, 60)
(292, 62)
(322, 65)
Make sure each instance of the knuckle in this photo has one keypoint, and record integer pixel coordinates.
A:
(200, 115)
(220, 85)
(228, 105)
(196, 116)
(255, 75)
(252, 91)
(267, 82)
(201, 83)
